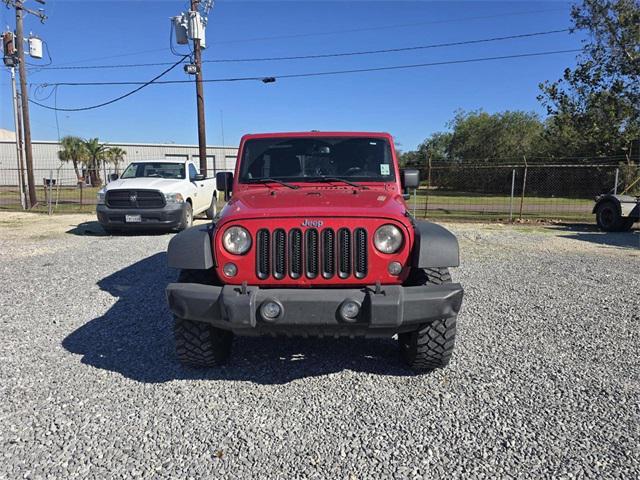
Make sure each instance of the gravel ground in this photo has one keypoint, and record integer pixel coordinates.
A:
(544, 381)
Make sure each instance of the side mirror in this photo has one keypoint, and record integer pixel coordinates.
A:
(224, 182)
(410, 179)
(198, 177)
(113, 177)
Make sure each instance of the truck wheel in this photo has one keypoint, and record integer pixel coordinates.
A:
(608, 218)
(213, 208)
(199, 344)
(187, 217)
(430, 346)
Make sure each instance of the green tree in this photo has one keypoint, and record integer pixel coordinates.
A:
(115, 155)
(595, 107)
(74, 151)
(96, 153)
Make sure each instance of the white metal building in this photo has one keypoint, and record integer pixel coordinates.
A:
(45, 157)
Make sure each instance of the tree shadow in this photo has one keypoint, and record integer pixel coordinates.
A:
(135, 338)
(590, 233)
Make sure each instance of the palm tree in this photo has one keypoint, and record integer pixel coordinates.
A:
(115, 156)
(95, 154)
(74, 151)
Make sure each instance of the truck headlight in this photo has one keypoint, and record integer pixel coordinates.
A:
(236, 240)
(173, 198)
(388, 239)
(100, 197)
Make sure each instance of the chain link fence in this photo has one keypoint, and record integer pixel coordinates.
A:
(502, 193)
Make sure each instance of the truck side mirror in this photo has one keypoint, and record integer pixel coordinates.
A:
(410, 179)
(113, 177)
(224, 182)
(198, 177)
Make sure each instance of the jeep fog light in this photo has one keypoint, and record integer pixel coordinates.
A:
(388, 239)
(394, 268)
(236, 240)
(230, 269)
(349, 309)
(270, 310)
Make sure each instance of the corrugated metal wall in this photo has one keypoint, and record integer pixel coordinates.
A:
(45, 156)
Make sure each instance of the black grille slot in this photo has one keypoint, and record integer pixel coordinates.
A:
(295, 253)
(262, 253)
(312, 250)
(344, 243)
(328, 253)
(134, 199)
(279, 253)
(360, 253)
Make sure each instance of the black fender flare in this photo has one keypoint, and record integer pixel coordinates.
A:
(608, 198)
(435, 246)
(191, 249)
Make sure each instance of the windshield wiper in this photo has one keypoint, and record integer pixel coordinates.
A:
(273, 180)
(336, 179)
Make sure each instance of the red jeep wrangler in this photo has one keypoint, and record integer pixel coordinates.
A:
(316, 239)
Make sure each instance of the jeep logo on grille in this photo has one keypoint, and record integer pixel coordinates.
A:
(312, 223)
(133, 197)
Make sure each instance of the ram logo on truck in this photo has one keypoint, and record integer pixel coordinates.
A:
(289, 256)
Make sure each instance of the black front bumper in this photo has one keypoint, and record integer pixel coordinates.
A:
(167, 217)
(385, 311)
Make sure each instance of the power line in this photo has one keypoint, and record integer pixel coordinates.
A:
(331, 55)
(322, 73)
(109, 102)
(312, 34)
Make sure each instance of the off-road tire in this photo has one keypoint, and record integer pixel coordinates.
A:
(199, 344)
(187, 217)
(609, 219)
(213, 208)
(430, 346)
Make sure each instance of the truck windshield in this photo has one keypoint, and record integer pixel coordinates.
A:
(154, 169)
(313, 158)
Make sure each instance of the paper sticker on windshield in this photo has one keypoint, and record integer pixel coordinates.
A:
(384, 169)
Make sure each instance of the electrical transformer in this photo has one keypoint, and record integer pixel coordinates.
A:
(35, 47)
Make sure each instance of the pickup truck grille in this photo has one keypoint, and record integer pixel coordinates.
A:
(134, 199)
(281, 253)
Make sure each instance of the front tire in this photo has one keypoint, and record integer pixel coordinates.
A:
(200, 344)
(213, 208)
(187, 217)
(609, 219)
(430, 346)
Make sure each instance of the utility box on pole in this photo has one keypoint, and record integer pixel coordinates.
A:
(180, 26)
(35, 47)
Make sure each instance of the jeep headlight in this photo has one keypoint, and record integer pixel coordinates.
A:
(100, 197)
(388, 239)
(236, 240)
(174, 198)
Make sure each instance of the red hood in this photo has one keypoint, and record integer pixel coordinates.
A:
(314, 202)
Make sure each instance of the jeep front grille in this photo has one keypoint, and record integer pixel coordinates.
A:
(315, 252)
(134, 199)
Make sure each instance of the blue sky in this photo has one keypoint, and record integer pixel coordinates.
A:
(410, 104)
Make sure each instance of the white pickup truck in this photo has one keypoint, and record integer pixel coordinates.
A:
(159, 194)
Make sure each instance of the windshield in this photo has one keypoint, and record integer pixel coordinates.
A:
(154, 170)
(312, 159)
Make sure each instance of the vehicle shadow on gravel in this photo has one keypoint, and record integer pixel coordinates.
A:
(135, 339)
(591, 233)
(94, 229)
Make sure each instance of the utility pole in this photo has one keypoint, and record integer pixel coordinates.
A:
(202, 136)
(20, 9)
(16, 121)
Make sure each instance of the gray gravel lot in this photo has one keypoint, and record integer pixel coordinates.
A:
(544, 382)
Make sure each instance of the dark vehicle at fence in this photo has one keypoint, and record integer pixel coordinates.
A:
(316, 240)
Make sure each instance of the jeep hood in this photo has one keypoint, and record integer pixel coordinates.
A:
(166, 185)
(313, 202)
